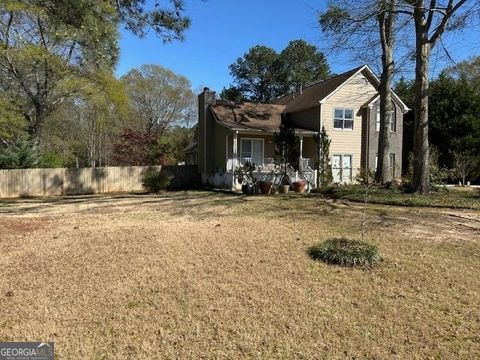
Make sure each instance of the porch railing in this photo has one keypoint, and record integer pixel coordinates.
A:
(268, 169)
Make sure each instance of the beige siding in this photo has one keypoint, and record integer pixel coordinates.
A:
(352, 95)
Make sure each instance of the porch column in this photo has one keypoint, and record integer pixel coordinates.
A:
(234, 158)
(300, 164)
(301, 147)
(235, 149)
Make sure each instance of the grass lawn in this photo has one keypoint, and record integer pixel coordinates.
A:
(203, 275)
(453, 197)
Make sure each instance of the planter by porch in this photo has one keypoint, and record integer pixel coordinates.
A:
(248, 189)
(283, 189)
(265, 187)
(299, 186)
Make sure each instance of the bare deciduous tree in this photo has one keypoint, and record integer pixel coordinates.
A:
(159, 97)
(365, 29)
(431, 19)
(464, 164)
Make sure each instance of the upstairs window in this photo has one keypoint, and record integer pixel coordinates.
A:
(343, 119)
(393, 127)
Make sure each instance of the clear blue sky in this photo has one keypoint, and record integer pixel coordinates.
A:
(223, 30)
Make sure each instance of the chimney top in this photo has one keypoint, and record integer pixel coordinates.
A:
(206, 89)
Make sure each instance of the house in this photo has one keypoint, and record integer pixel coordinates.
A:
(347, 105)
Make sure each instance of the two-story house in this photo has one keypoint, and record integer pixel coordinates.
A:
(347, 105)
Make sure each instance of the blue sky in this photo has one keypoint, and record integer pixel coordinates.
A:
(223, 30)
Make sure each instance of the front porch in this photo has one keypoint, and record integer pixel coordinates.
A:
(259, 149)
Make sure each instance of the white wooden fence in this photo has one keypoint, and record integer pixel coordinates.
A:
(45, 182)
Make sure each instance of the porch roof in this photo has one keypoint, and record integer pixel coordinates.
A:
(251, 117)
(248, 116)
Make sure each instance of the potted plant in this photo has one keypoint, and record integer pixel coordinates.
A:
(284, 186)
(245, 177)
(299, 186)
(265, 186)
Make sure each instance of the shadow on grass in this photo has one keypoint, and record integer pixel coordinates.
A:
(176, 203)
(200, 205)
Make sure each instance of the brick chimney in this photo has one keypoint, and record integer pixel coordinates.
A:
(205, 127)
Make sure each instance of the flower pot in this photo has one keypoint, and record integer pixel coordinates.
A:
(248, 189)
(299, 186)
(265, 187)
(283, 189)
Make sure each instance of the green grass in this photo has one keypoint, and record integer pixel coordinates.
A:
(464, 198)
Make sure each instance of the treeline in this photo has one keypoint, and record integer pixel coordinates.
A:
(454, 120)
(262, 74)
(60, 103)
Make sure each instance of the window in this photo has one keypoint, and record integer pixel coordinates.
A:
(342, 168)
(393, 127)
(343, 119)
(251, 150)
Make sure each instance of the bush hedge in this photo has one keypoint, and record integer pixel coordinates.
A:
(345, 252)
(155, 180)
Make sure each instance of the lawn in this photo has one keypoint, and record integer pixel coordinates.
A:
(452, 197)
(204, 275)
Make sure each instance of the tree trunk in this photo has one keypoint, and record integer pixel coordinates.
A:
(421, 173)
(385, 22)
(382, 174)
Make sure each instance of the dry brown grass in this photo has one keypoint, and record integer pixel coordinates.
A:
(203, 275)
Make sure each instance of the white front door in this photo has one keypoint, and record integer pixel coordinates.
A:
(347, 168)
(337, 168)
(342, 168)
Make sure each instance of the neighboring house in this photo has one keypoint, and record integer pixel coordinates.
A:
(347, 105)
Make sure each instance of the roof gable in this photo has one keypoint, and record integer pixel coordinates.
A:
(320, 92)
(313, 94)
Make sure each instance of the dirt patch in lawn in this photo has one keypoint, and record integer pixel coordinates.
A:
(12, 227)
(202, 275)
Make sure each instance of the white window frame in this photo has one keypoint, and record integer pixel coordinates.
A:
(393, 129)
(343, 118)
(256, 139)
(341, 168)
